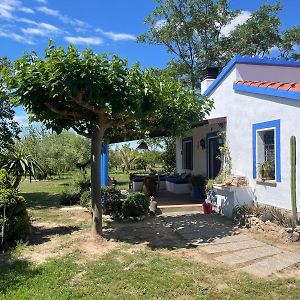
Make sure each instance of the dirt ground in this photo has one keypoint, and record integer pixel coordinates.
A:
(54, 239)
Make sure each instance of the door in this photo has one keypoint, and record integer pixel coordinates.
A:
(214, 154)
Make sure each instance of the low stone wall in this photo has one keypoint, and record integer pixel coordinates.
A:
(277, 231)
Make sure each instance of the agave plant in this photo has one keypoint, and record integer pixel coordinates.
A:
(18, 164)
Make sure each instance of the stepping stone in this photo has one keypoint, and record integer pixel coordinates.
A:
(231, 239)
(217, 248)
(272, 264)
(248, 255)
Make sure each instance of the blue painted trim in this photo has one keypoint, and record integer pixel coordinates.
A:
(266, 91)
(188, 139)
(256, 60)
(104, 165)
(209, 135)
(265, 125)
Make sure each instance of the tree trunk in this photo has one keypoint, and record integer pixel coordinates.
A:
(97, 137)
(17, 181)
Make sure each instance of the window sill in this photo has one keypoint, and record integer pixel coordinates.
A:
(272, 183)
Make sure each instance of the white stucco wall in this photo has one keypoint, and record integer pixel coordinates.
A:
(243, 110)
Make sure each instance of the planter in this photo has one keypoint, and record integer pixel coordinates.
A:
(207, 208)
(197, 193)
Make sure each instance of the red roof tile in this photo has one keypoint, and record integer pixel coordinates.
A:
(287, 86)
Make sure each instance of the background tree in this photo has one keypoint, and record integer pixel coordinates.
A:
(196, 33)
(9, 128)
(169, 156)
(18, 164)
(100, 98)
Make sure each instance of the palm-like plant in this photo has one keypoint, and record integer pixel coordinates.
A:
(18, 164)
(127, 157)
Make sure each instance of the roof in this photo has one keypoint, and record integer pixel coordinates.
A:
(277, 89)
(255, 60)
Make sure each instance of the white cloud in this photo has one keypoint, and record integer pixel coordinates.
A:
(64, 18)
(117, 36)
(42, 1)
(42, 29)
(8, 7)
(238, 20)
(160, 24)
(26, 10)
(78, 40)
(15, 36)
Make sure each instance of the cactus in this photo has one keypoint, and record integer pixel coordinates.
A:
(293, 177)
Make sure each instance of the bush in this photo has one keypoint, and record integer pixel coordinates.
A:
(86, 200)
(136, 205)
(71, 195)
(17, 225)
(112, 201)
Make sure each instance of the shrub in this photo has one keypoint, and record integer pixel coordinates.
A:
(86, 200)
(81, 181)
(136, 204)
(17, 225)
(112, 201)
(71, 195)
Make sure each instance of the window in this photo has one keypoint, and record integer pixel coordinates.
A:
(266, 150)
(187, 153)
(266, 154)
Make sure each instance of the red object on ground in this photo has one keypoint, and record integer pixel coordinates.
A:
(207, 208)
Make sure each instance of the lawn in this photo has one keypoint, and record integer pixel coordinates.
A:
(124, 271)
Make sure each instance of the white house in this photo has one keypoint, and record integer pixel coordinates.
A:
(257, 104)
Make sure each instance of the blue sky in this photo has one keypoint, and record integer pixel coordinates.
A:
(103, 25)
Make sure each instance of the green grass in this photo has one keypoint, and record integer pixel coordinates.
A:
(123, 274)
(142, 275)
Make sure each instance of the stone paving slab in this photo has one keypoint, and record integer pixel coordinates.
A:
(217, 248)
(232, 239)
(248, 255)
(272, 264)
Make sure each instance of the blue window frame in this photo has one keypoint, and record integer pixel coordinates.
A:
(187, 153)
(268, 127)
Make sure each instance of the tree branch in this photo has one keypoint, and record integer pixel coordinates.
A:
(79, 100)
(83, 133)
(65, 113)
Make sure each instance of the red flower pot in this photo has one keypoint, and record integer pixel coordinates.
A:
(207, 208)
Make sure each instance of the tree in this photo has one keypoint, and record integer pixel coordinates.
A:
(169, 156)
(100, 98)
(197, 33)
(127, 157)
(19, 164)
(9, 128)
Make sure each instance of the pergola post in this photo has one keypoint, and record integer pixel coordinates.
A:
(104, 165)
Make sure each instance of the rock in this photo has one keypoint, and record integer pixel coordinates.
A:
(295, 236)
(289, 230)
(297, 229)
(268, 222)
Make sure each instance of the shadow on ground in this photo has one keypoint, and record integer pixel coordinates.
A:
(11, 272)
(42, 234)
(42, 200)
(171, 231)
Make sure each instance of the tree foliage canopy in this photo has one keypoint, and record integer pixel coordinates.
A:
(9, 128)
(68, 89)
(195, 32)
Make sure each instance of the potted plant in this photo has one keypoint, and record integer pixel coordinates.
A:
(198, 183)
(265, 170)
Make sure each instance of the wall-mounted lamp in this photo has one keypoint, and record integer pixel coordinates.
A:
(202, 144)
